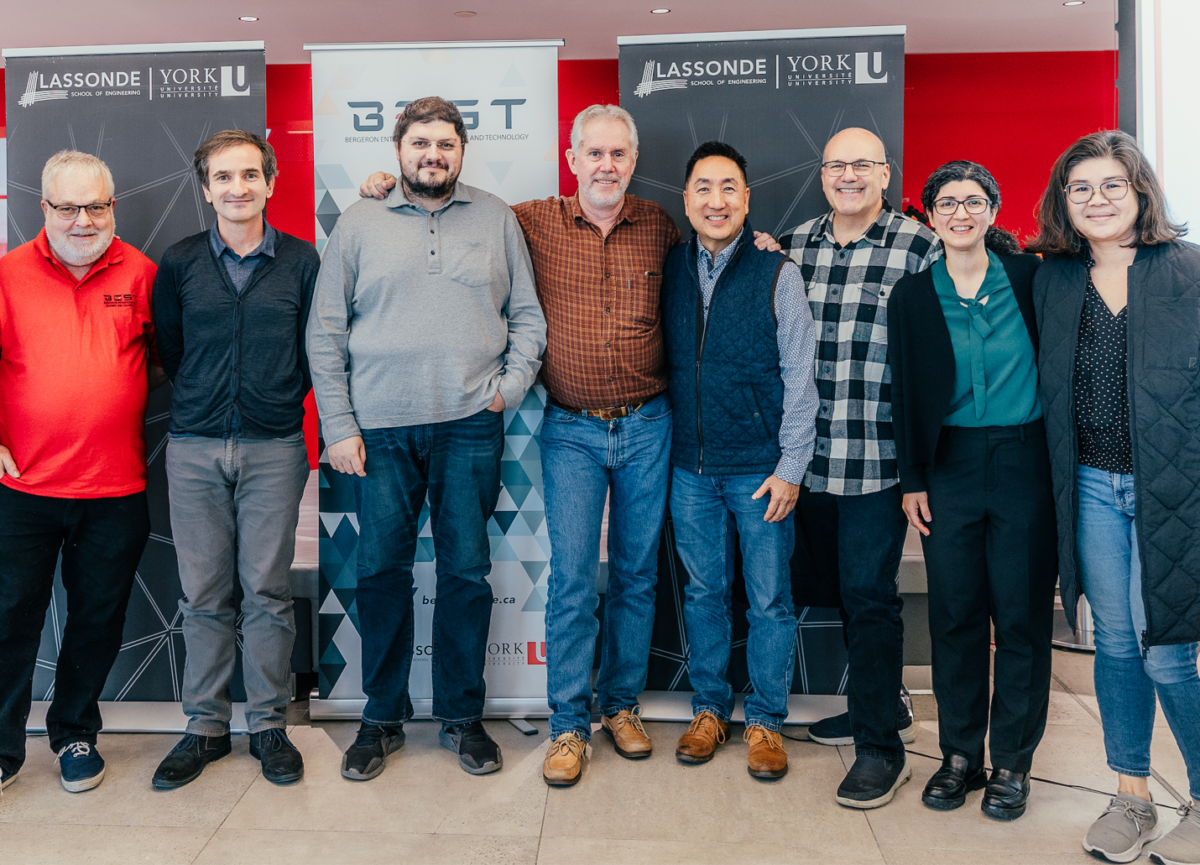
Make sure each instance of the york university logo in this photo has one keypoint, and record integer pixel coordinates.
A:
(233, 81)
(820, 70)
(201, 82)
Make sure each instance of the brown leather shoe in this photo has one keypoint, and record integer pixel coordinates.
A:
(701, 739)
(564, 760)
(628, 735)
(767, 757)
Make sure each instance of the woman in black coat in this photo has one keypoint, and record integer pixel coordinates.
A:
(1118, 307)
(975, 474)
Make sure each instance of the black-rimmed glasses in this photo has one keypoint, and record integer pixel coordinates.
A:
(862, 167)
(96, 210)
(973, 206)
(1112, 190)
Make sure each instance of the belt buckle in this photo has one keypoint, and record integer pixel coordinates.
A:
(612, 413)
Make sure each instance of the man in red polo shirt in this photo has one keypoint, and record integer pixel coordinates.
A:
(75, 348)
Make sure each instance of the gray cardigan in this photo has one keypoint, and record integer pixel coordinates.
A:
(422, 317)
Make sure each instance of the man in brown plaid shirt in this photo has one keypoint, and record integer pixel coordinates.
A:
(598, 258)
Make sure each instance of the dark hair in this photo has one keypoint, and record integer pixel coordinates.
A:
(1056, 233)
(234, 138)
(714, 148)
(426, 110)
(996, 239)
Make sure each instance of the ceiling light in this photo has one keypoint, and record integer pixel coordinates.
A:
(248, 18)
(659, 11)
(1074, 3)
(464, 14)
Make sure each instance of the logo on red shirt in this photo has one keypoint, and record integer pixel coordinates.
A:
(111, 300)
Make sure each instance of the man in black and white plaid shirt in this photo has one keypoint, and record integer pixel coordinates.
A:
(849, 525)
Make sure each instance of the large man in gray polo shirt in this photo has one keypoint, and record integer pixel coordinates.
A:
(425, 326)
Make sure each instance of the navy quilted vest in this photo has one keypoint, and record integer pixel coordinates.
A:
(725, 382)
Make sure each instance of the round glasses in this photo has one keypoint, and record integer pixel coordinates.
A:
(70, 212)
(1111, 190)
(973, 206)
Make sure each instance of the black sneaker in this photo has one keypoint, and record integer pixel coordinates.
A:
(836, 730)
(80, 767)
(281, 762)
(872, 782)
(477, 753)
(6, 777)
(364, 759)
(188, 759)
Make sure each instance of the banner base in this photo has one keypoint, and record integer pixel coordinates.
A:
(134, 717)
(500, 707)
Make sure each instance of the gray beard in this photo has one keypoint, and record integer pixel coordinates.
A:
(594, 198)
(75, 257)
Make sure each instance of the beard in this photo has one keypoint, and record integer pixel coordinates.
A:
(424, 189)
(597, 198)
(83, 254)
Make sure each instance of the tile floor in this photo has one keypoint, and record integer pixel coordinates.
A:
(423, 809)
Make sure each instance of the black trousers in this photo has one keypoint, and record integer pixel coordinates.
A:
(101, 541)
(991, 555)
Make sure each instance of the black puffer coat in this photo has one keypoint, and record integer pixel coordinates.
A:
(1164, 416)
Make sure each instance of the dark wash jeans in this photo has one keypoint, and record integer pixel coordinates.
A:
(848, 549)
(458, 464)
(101, 542)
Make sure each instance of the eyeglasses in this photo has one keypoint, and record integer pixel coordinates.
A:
(1112, 190)
(862, 167)
(70, 212)
(949, 206)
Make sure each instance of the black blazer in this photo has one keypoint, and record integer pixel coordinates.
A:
(921, 357)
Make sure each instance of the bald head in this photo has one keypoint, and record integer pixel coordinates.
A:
(856, 198)
(855, 143)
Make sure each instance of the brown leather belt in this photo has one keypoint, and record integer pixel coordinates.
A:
(602, 413)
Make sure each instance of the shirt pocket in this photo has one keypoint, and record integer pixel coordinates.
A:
(1171, 333)
(643, 290)
(470, 263)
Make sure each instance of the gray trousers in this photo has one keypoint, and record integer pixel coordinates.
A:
(235, 503)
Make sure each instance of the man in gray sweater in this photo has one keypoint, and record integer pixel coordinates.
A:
(425, 326)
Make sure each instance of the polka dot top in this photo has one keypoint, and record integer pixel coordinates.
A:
(1101, 397)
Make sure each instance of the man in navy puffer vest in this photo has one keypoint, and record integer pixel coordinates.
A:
(740, 344)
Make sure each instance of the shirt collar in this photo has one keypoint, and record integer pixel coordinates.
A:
(628, 209)
(267, 247)
(876, 235)
(723, 256)
(397, 200)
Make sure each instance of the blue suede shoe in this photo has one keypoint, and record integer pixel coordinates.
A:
(81, 767)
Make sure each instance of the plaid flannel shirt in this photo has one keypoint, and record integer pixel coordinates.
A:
(848, 288)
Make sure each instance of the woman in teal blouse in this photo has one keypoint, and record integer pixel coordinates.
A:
(975, 473)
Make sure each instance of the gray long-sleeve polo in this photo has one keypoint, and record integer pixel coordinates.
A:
(422, 317)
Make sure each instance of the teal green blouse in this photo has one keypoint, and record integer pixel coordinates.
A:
(995, 371)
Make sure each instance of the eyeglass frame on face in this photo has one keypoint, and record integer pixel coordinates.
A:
(962, 202)
(105, 207)
(1092, 190)
(857, 162)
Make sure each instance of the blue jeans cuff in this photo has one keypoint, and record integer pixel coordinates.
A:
(456, 723)
(209, 730)
(723, 717)
(773, 726)
(398, 723)
(586, 735)
(609, 711)
(1132, 773)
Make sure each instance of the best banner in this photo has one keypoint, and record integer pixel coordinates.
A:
(508, 96)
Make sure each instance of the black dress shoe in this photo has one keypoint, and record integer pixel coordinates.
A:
(188, 759)
(949, 786)
(281, 762)
(1006, 795)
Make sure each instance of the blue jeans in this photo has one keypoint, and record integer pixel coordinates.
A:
(701, 509)
(584, 460)
(1106, 549)
(458, 464)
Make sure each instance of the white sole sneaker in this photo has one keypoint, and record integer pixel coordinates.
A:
(908, 735)
(83, 784)
(867, 804)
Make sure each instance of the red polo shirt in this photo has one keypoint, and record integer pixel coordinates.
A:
(73, 371)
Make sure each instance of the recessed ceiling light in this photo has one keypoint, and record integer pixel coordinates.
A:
(659, 11)
(1074, 3)
(464, 14)
(248, 18)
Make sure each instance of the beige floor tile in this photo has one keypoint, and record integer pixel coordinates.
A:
(422, 790)
(588, 851)
(125, 798)
(290, 847)
(976, 856)
(661, 799)
(33, 844)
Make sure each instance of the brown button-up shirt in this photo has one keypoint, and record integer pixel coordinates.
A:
(600, 296)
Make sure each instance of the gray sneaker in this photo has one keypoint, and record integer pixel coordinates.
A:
(1181, 846)
(1127, 824)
